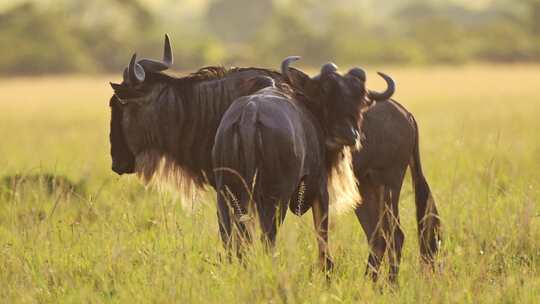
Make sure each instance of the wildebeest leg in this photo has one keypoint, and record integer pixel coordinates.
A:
(233, 230)
(224, 221)
(370, 215)
(271, 215)
(395, 233)
(320, 221)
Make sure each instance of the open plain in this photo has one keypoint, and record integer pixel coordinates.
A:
(105, 238)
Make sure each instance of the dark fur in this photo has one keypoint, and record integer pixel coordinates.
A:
(391, 144)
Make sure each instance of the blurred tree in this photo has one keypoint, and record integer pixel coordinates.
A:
(290, 32)
(39, 41)
(124, 24)
(39, 36)
(238, 20)
(534, 9)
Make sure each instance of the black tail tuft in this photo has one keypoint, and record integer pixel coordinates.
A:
(427, 216)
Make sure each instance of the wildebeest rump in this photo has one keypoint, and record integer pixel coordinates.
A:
(389, 145)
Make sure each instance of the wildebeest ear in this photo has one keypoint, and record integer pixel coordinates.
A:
(122, 92)
(298, 78)
(115, 86)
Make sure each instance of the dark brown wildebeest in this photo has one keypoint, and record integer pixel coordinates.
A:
(390, 144)
(165, 126)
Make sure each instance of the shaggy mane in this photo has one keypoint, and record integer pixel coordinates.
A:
(162, 171)
(342, 184)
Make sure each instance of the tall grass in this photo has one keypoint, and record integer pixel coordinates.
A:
(118, 242)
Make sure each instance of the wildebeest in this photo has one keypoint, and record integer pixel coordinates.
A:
(165, 126)
(390, 144)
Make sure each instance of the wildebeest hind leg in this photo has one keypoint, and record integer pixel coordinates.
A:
(370, 215)
(395, 233)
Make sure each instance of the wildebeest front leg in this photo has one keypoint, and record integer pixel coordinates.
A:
(224, 221)
(320, 221)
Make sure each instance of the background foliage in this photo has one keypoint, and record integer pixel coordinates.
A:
(95, 36)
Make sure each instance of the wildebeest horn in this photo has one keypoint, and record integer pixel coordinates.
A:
(391, 88)
(358, 72)
(135, 71)
(285, 66)
(155, 65)
(328, 68)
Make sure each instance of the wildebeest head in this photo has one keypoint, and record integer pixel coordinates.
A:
(340, 98)
(131, 112)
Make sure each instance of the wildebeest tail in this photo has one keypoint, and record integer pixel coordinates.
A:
(427, 216)
(245, 154)
(248, 145)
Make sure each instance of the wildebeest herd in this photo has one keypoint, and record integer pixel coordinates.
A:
(269, 142)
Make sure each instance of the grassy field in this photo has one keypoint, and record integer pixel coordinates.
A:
(115, 241)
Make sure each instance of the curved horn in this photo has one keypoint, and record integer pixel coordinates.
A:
(135, 71)
(391, 88)
(157, 66)
(358, 72)
(328, 68)
(285, 66)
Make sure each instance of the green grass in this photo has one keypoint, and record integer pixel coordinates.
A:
(119, 242)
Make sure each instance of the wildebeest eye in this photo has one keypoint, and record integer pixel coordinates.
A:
(122, 102)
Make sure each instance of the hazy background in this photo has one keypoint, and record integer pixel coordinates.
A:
(99, 36)
(72, 231)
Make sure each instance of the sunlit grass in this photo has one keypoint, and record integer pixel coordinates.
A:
(116, 241)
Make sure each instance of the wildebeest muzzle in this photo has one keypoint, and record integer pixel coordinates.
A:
(123, 167)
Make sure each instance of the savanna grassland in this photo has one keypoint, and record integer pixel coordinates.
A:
(108, 239)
